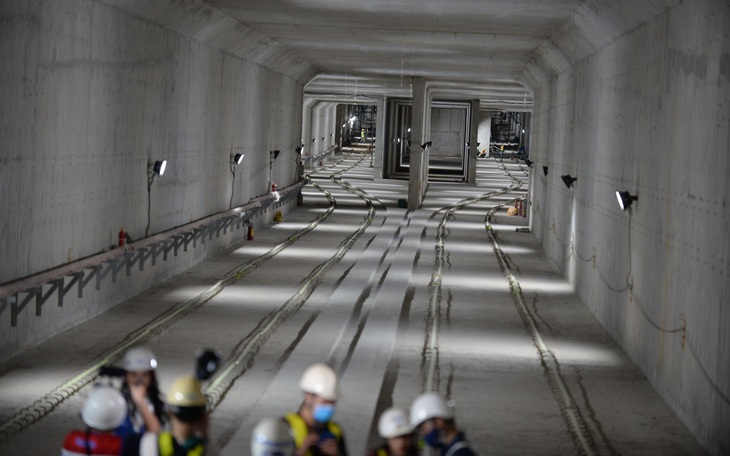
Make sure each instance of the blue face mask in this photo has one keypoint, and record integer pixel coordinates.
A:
(433, 438)
(323, 412)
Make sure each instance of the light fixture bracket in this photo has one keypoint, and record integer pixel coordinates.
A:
(568, 180)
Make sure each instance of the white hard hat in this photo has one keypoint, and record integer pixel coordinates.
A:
(394, 423)
(321, 380)
(139, 359)
(104, 409)
(272, 437)
(430, 405)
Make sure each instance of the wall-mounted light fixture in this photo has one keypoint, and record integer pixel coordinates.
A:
(236, 159)
(568, 180)
(299, 150)
(314, 140)
(528, 162)
(159, 167)
(426, 144)
(274, 154)
(545, 170)
(625, 199)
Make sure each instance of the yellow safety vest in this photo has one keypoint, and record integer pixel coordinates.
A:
(301, 430)
(382, 452)
(167, 447)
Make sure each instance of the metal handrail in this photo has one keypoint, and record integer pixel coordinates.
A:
(138, 253)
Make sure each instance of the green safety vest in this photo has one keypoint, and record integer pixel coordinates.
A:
(301, 430)
(167, 447)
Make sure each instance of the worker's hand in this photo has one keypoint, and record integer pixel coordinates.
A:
(329, 447)
(139, 394)
(309, 441)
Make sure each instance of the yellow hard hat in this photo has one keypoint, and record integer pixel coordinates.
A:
(186, 392)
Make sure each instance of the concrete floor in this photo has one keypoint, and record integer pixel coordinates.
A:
(368, 315)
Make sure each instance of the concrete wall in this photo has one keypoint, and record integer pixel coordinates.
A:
(484, 132)
(649, 113)
(319, 124)
(448, 132)
(90, 94)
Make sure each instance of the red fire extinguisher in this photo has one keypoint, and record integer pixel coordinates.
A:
(122, 237)
(273, 187)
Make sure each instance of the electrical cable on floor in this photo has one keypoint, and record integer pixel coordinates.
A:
(238, 363)
(41, 407)
(570, 411)
(629, 287)
(430, 351)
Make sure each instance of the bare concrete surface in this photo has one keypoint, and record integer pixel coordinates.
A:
(368, 317)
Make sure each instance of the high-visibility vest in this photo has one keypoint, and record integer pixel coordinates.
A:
(164, 446)
(301, 430)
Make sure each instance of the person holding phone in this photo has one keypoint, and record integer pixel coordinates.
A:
(314, 431)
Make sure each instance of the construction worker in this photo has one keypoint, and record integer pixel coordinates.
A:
(395, 428)
(313, 429)
(272, 437)
(146, 410)
(186, 406)
(433, 417)
(103, 411)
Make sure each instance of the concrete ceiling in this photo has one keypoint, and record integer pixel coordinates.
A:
(492, 50)
(472, 48)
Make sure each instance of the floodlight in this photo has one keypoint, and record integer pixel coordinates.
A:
(159, 167)
(625, 199)
(545, 170)
(237, 159)
(528, 162)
